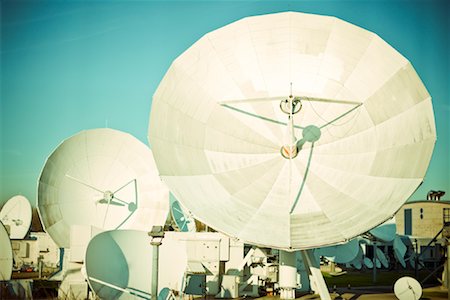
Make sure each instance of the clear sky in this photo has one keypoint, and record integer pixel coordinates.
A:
(67, 66)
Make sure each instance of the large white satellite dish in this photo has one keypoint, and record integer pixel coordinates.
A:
(119, 264)
(103, 178)
(292, 130)
(407, 288)
(6, 254)
(16, 214)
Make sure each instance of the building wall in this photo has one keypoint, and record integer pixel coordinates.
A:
(425, 223)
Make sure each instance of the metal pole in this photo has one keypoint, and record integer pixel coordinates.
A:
(448, 270)
(155, 248)
(156, 234)
(416, 260)
(374, 277)
(316, 275)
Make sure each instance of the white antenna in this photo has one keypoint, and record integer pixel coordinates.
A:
(102, 178)
(16, 215)
(6, 255)
(358, 158)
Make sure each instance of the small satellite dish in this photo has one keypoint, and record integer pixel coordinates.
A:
(407, 288)
(358, 260)
(103, 178)
(386, 232)
(184, 221)
(356, 264)
(378, 263)
(343, 253)
(298, 143)
(119, 263)
(16, 214)
(382, 258)
(400, 251)
(6, 254)
(368, 262)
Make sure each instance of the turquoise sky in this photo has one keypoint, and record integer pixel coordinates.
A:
(73, 65)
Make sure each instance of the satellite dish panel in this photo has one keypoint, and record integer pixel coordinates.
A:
(358, 260)
(385, 232)
(16, 214)
(119, 264)
(357, 264)
(382, 258)
(407, 288)
(400, 251)
(306, 126)
(378, 263)
(184, 221)
(104, 178)
(6, 254)
(368, 262)
(343, 253)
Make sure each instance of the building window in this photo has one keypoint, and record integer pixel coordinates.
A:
(408, 221)
(446, 215)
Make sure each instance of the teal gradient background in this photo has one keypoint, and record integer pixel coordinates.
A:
(67, 66)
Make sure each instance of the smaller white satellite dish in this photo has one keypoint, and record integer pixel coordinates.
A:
(16, 214)
(103, 178)
(6, 255)
(368, 262)
(407, 288)
(119, 263)
(184, 220)
(400, 251)
(381, 257)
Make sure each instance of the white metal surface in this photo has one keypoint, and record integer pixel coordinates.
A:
(104, 178)
(121, 260)
(346, 162)
(6, 255)
(16, 214)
